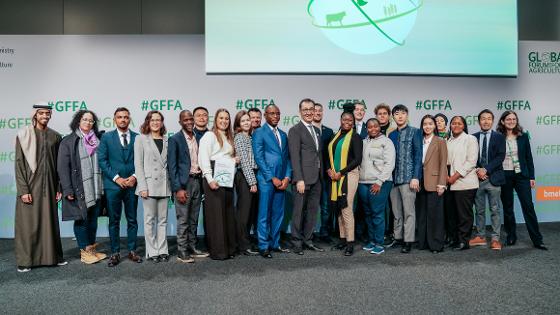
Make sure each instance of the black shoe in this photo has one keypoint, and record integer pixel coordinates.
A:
(249, 252)
(510, 241)
(540, 246)
(341, 245)
(164, 258)
(389, 241)
(325, 239)
(154, 259)
(407, 247)
(349, 251)
(461, 246)
(398, 243)
(297, 250)
(114, 260)
(313, 247)
(184, 257)
(265, 254)
(281, 249)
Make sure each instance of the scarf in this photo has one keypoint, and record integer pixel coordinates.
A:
(91, 173)
(338, 158)
(90, 142)
(28, 143)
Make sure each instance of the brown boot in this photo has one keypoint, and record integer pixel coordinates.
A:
(97, 254)
(87, 257)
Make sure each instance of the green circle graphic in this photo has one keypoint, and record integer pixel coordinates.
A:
(365, 27)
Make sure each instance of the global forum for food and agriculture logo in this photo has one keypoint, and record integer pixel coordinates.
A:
(365, 27)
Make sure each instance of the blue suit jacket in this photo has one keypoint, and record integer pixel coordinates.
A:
(271, 160)
(525, 156)
(114, 159)
(178, 161)
(363, 133)
(496, 156)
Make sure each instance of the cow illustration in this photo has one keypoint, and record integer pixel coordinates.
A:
(335, 17)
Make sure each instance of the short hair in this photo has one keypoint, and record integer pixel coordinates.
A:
(145, 127)
(382, 106)
(269, 106)
(399, 107)
(254, 110)
(463, 120)
(359, 103)
(373, 119)
(184, 111)
(306, 100)
(318, 104)
(200, 108)
(121, 109)
(485, 111)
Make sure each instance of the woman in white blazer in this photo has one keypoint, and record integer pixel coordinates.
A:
(150, 162)
(462, 154)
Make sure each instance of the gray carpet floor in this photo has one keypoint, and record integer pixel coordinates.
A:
(517, 280)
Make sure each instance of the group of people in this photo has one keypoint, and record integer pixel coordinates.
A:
(379, 180)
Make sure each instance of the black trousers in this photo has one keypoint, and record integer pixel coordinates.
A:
(219, 220)
(429, 220)
(304, 216)
(450, 217)
(246, 210)
(522, 187)
(464, 200)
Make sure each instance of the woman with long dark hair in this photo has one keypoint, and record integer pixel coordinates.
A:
(218, 201)
(150, 167)
(345, 155)
(519, 170)
(429, 200)
(245, 181)
(81, 182)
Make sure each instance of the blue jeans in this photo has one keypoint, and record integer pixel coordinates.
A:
(374, 208)
(85, 230)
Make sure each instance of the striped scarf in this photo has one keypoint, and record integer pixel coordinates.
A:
(338, 157)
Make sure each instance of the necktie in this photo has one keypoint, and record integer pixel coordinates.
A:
(125, 141)
(314, 136)
(277, 137)
(484, 157)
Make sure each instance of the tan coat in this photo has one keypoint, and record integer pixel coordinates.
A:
(435, 164)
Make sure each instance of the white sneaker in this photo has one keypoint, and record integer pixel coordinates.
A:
(23, 269)
(62, 263)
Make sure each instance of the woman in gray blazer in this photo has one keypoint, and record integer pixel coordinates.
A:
(150, 163)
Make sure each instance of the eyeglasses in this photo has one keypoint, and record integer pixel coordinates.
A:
(307, 110)
(155, 120)
(90, 121)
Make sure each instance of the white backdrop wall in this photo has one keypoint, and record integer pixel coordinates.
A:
(145, 72)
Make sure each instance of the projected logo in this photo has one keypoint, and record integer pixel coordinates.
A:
(365, 27)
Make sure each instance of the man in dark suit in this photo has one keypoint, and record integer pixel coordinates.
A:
(306, 156)
(359, 214)
(491, 154)
(185, 177)
(116, 160)
(270, 147)
(360, 125)
(328, 221)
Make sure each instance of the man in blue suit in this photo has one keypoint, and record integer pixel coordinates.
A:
(116, 160)
(490, 171)
(270, 147)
